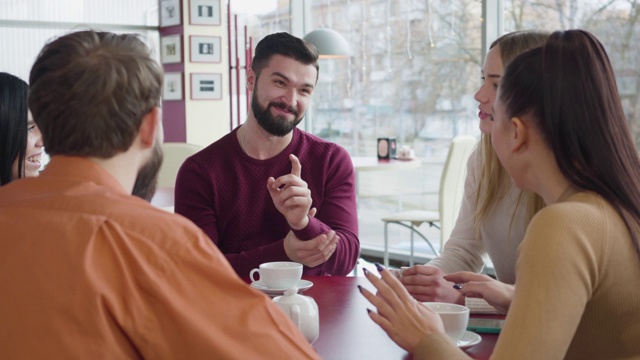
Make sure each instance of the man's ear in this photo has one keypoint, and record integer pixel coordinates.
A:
(150, 128)
(251, 79)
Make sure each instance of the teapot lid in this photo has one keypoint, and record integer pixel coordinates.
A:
(291, 291)
(291, 296)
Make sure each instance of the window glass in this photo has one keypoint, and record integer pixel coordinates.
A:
(26, 25)
(412, 73)
(616, 24)
(138, 12)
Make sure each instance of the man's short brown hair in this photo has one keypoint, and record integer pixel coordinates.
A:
(287, 45)
(90, 90)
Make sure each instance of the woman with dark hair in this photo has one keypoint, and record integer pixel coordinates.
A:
(20, 139)
(560, 131)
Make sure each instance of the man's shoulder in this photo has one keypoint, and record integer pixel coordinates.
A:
(316, 143)
(92, 208)
(219, 149)
(311, 138)
(224, 142)
(138, 215)
(143, 223)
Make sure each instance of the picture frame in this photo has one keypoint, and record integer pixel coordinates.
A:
(170, 13)
(206, 86)
(171, 49)
(172, 86)
(206, 49)
(204, 12)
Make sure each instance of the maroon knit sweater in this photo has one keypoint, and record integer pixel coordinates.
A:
(224, 191)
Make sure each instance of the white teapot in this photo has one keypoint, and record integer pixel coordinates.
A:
(302, 310)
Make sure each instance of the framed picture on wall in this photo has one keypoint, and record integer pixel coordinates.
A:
(204, 12)
(206, 86)
(205, 49)
(170, 14)
(171, 49)
(172, 88)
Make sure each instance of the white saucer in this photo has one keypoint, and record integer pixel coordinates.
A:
(302, 286)
(405, 158)
(469, 339)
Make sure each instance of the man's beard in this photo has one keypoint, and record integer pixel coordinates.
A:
(147, 179)
(274, 125)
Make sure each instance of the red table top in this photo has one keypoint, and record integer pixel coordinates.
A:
(347, 332)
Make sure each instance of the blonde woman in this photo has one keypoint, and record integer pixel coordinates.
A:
(494, 213)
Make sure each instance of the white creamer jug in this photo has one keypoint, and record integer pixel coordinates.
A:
(302, 310)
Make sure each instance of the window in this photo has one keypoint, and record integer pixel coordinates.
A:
(414, 68)
(26, 25)
(614, 22)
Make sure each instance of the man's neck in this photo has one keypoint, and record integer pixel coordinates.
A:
(120, 166)
(258, 143)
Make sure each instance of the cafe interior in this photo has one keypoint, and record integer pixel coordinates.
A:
(401, 73)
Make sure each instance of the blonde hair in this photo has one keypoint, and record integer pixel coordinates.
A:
(494, 180)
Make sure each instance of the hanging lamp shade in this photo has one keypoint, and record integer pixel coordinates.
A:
(330, 43)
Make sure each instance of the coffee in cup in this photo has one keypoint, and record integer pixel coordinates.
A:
(278, 274)
(455, 318)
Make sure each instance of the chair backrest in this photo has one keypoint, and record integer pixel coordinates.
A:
(174, 155)
(452, 183)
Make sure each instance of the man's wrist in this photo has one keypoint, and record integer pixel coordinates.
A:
(303, 224)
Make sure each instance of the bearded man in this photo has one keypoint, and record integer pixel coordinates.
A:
(269, 191)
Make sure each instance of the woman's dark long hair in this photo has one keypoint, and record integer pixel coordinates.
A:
(13, 125)
(570, 87)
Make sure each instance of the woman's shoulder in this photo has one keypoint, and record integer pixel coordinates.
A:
(585, 214)
(579, 205)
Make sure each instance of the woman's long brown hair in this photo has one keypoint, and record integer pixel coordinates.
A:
(570, 88)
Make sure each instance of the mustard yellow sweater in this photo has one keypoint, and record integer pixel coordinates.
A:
(578, 289)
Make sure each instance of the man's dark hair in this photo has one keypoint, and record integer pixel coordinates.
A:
(286, 45)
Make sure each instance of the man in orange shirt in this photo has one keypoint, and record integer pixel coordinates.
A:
(89, 271)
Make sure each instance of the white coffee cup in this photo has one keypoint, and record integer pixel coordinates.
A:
(278, 275)
(454, 317)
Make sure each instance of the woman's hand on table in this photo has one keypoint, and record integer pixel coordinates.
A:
(496, 293)
(402, 317)
(427, 283)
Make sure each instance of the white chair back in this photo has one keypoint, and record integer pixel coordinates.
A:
(174, 155)
(452, 183)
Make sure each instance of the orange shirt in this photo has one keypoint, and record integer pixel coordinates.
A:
(90, 272)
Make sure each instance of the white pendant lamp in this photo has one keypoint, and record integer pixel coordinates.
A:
(330, 43)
